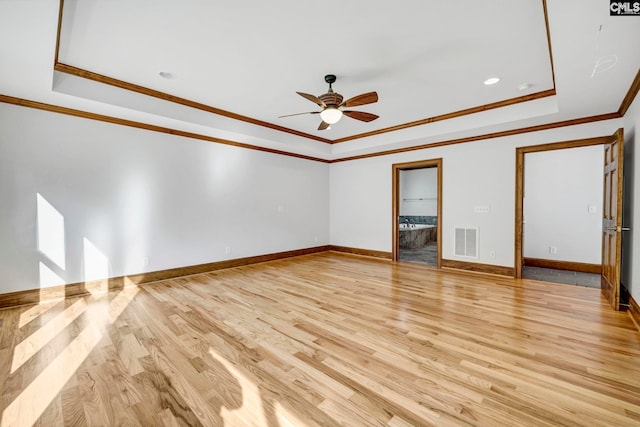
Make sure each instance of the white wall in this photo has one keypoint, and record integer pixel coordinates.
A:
(559, 187)
(132, 196)
(631, 211)
(135, 194)
(419, 192)
(475, 174)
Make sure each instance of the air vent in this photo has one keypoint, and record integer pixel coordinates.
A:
(466, 243)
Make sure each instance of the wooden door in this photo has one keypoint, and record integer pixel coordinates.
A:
(612, 219)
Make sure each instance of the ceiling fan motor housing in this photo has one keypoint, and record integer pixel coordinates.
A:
(331, 99)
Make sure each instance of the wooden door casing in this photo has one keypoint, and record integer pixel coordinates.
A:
(395, 205)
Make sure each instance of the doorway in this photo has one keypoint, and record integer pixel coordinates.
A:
(611, 225)
(417, 212)
(562, 218)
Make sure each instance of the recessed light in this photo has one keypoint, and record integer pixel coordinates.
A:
(166, 75)
(492, 81)
(524, 86)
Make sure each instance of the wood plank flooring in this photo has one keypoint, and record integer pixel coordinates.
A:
(323, 340)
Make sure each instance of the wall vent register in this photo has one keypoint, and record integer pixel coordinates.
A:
(466, 242)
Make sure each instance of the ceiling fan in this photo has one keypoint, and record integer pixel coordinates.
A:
(332, 105)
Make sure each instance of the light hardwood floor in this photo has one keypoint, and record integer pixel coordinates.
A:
(324, 339)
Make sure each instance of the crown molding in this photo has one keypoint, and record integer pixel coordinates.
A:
(90, 75)
(139, 125)
(154, 128)
(500, 134)
(453, 115)
(99, 78)
(630, 96)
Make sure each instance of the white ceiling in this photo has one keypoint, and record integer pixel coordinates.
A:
(424, 58)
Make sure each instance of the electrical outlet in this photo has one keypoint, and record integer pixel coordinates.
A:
(145, 261)
(315, 239)
(227, 250)
(553, 250)
(492, 254)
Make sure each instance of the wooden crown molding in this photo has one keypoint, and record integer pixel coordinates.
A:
(500, 134)
(154, 128)
(453, 115)
(630, 96)
(473, 110)
(86, 74)
(546, 24)
(58, 32)
(89, 75)
(68, 69)
(139, 125)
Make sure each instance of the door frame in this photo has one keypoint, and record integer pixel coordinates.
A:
(519, 214)
(395, 204)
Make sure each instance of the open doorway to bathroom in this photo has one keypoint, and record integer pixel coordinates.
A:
(417, 212)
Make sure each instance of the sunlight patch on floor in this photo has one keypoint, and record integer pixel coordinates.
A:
(36, 397)
(285, 418)
(37, 340)
(251, 412)
(34, 312)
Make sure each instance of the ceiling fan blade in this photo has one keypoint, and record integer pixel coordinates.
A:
(365, 98)
(323, 125)
(312, 98)
(360, 115)
(299, 114)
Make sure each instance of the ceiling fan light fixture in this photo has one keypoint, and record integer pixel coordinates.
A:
(491, 81)
(331, 115)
